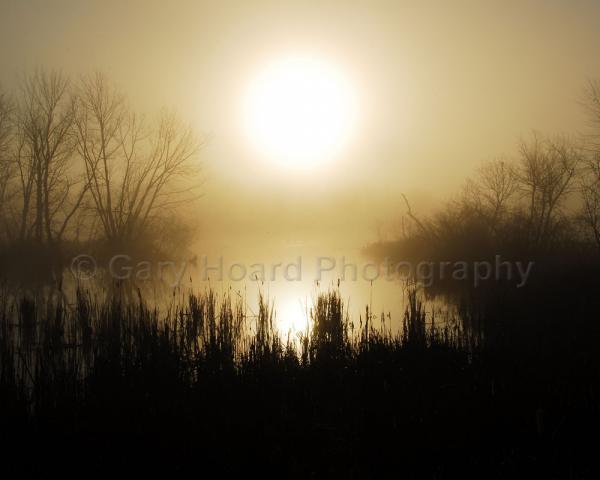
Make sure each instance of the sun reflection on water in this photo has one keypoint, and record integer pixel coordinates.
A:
(292, 317)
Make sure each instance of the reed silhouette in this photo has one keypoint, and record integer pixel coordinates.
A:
(203, 384)
(505, 384)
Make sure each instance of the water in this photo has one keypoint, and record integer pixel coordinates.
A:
(289, 272)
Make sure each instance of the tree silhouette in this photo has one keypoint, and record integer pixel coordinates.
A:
(135, 174)
(6, 167)
(546, 175)
(590, 173)
(43, 156)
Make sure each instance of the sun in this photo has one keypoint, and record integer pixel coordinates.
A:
(292, 318)
(300, 111)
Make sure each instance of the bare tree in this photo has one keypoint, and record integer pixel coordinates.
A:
(43, 154)
(546, 176)
(491, 191)
(498, 184)
(590, 173)
(591, 103)
(6, 170)
(135, 174)
(590, 190)
(426, 230)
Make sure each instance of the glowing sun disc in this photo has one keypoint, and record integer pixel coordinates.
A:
(300, 111)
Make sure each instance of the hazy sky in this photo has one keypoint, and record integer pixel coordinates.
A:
(442, 85)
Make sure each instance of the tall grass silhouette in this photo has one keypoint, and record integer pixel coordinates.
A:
(206, 383)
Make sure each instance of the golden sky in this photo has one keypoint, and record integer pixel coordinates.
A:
(442, 85)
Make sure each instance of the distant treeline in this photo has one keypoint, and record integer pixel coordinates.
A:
(76, 163)
(544, 202)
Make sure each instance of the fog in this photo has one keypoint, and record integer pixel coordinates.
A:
(300, 238)
(442, 87)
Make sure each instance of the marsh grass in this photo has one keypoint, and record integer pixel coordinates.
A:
(205, 384)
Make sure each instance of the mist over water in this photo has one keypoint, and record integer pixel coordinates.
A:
(299, 239)
(294, 274)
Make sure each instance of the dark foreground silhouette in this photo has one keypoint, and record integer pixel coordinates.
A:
(510, 388)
